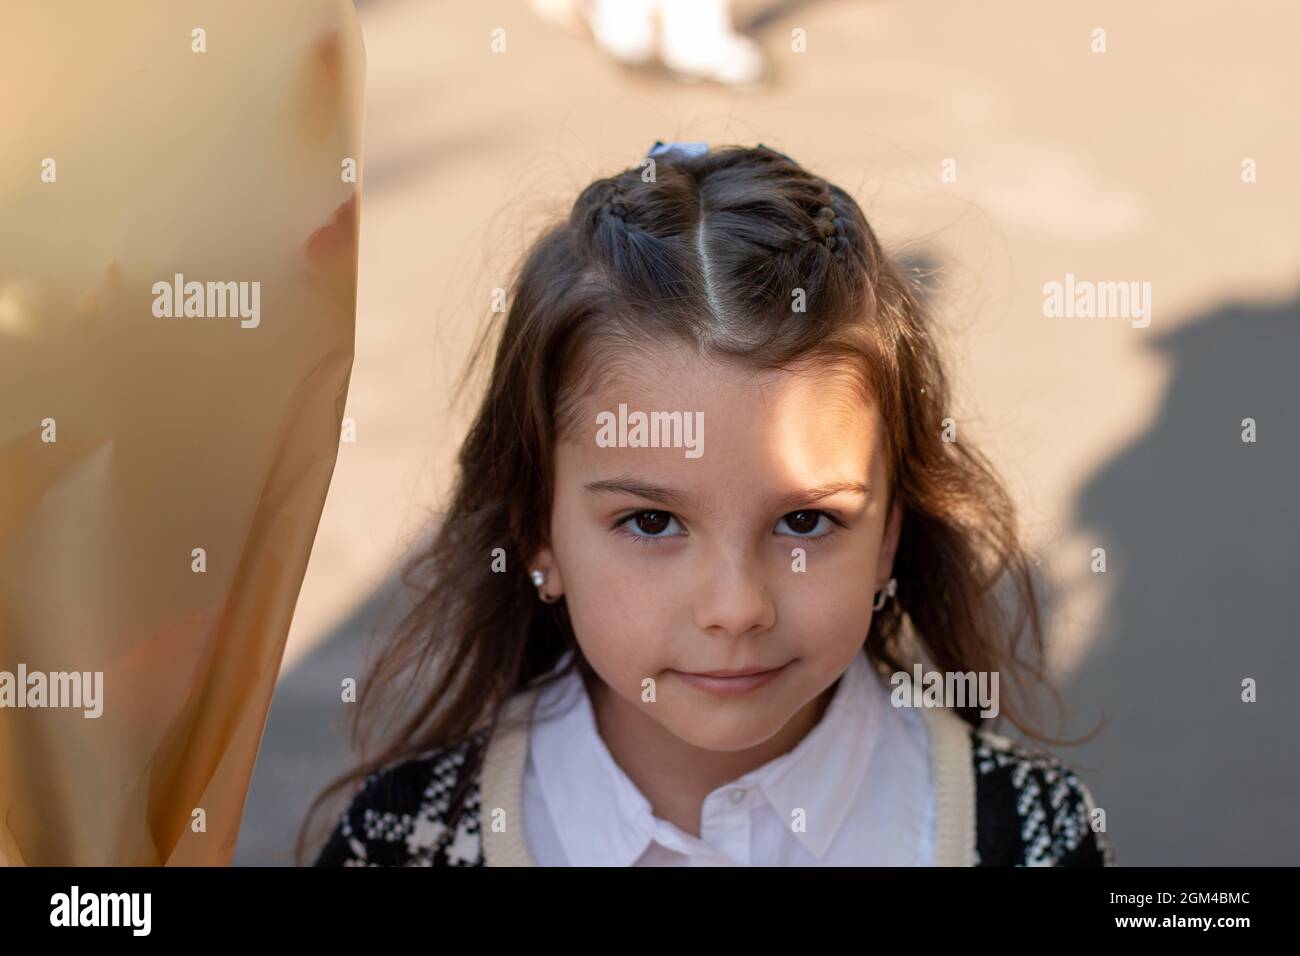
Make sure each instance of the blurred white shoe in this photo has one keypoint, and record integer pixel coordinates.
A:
(625, 29)
(697, 39)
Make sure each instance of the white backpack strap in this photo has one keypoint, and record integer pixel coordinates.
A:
(953, 772)
(503, 785)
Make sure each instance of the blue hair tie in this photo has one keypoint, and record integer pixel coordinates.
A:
(684, 149)
(693, 148)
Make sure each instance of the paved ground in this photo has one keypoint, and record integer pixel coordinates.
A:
(1115, 166)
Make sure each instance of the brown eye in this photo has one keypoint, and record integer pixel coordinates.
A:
(652, 522)
(802, 522)
(647, 526)
(812, 525)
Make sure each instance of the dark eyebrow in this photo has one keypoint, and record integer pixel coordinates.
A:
(674, 499)
(809, 495)
(639, 489)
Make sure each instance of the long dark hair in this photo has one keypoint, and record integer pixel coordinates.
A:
(713, 250)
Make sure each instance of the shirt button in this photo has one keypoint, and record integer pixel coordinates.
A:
(736, 795)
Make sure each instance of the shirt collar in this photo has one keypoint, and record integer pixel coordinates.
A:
(600, 816)
(821, 775)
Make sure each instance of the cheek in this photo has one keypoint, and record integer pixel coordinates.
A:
(616, 609)
(831, 600)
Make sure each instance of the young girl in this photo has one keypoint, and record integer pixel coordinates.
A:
(705, 524)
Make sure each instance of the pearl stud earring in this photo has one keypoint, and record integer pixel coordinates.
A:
(539, 579)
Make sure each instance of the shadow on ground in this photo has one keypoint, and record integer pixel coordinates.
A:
(1202, 536)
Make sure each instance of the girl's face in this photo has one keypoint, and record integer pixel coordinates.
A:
(762, 552)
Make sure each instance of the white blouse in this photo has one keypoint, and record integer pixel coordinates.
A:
(862, 777)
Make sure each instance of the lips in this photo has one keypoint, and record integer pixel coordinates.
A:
(739, 681)
(742, 672)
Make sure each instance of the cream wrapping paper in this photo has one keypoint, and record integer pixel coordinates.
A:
(164, 459)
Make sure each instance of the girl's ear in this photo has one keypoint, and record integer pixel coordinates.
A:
(889, 545)
(544, 561)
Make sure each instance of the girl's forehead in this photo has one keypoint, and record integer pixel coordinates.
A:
(729, 416)
(678, 373)
(813, 419)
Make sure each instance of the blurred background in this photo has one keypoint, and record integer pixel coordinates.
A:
(995, 148)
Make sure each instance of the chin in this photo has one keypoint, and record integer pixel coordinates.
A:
(727, 734)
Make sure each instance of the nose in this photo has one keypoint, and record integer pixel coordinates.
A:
(733, 597)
